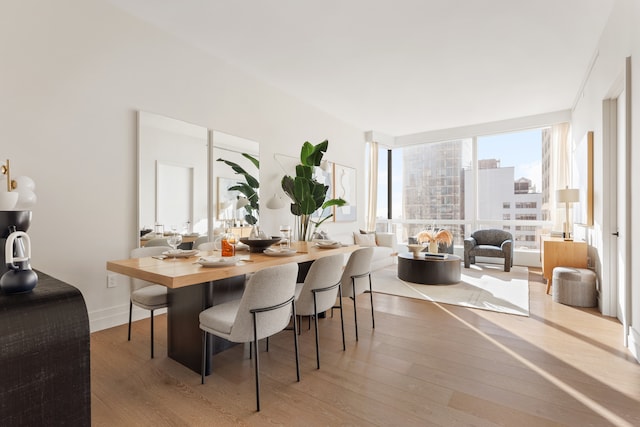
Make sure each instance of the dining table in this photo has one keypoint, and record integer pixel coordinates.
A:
(193, 287)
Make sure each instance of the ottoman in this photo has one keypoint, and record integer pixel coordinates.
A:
(575, 287)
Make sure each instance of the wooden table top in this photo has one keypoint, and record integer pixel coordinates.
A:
(179, 272)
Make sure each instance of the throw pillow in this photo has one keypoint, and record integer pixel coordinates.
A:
(364, 239)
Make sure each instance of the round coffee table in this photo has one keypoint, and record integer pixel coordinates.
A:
(429, 270)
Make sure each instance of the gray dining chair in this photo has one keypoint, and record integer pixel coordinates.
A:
(266, 307)
(200, 240)
(147, 295)
(158, 241)
(358, 268)
(319, 291)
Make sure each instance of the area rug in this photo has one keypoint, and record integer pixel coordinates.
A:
(483, 286)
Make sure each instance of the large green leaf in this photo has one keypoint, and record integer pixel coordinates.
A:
(252, 159)
(253, 182)
(311, 155)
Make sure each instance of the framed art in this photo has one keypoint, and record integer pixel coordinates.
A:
(583, 180)
(344, 186)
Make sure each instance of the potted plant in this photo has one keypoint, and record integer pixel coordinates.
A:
(308, 195)
(249, 188)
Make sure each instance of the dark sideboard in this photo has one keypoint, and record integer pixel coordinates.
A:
(44, 356)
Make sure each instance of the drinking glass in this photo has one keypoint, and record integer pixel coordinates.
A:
(174, 241)
(285, 236)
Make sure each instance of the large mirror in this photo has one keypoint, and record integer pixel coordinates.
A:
(182, 184)
(172, 176)
(233, 208)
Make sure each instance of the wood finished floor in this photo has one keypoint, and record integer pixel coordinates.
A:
(424, 364)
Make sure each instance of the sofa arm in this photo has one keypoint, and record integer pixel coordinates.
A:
(386, 239)
(469, 243)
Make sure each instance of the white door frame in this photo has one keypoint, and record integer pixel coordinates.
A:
(611, 249)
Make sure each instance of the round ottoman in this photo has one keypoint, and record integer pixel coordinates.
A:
(574, 286)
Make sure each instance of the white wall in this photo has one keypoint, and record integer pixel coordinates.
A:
(73, 75)
(620, 39)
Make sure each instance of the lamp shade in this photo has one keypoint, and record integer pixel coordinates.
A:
(275, 203)
(568, 195)
(241, 202)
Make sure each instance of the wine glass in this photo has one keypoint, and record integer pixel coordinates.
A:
(174, 241)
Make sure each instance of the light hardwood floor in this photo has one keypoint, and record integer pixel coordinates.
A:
(424, 364)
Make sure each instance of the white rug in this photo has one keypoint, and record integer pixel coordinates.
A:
(483, 286)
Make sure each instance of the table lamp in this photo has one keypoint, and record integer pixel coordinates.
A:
(567, 196)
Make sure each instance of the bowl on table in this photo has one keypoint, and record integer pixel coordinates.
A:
(259, 245)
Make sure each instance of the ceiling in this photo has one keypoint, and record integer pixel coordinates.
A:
(400, 66)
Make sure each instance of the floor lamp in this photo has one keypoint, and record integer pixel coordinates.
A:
(567, 196)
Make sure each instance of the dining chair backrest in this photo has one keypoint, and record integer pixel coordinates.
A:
(324, 272)
(141, 253)
(265, 288)
(359, 264)
(200, 240)
(158, 241)
(208, 246)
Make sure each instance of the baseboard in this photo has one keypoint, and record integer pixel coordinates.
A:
(634, 343)
(115, 316)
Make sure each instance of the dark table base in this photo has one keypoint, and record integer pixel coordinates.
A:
(429, 271)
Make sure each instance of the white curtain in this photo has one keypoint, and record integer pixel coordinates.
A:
(560, 171)
(372, 186)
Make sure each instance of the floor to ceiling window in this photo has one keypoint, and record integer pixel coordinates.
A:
(444, 185)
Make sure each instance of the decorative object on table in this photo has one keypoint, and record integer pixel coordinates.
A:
(11, 221)
(415, 248)
(249, 188)
(228, 244)
(435, 237)
(20, 192)
(307, 194)
(568, 196)
(285, 236)
(19, 278)
(259, 245)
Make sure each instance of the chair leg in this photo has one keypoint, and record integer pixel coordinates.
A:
(315, 317)
(355, 315)
(344, 347)
(257, 363)
(373, 320)
(204, 354)
(152, 334)
(295, 341)
(130, 309)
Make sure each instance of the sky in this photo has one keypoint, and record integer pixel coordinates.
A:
(523, 150)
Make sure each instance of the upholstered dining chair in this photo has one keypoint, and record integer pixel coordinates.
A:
(319, 291)
(266, 307)
(158, 241)
(208, 246)
(358, 268)
(145, 294)
(200, 240)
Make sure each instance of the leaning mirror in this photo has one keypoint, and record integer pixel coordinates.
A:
(172, 176)
(236, 195)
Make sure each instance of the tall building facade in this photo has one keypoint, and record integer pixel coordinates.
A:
(433, 177)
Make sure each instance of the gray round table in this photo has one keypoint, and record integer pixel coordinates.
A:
(429, 270)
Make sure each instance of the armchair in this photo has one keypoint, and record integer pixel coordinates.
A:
(489, 243)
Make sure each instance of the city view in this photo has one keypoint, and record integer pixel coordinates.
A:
(435, 185)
